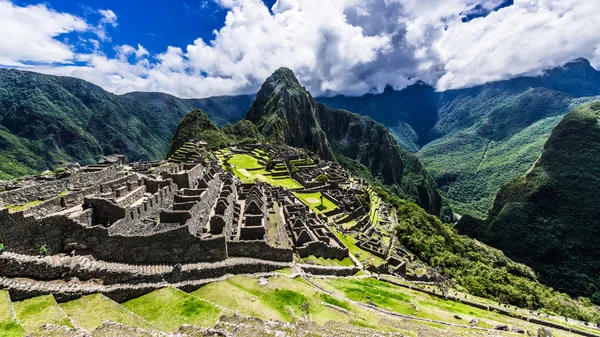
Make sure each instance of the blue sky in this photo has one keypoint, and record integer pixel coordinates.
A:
(155, 24)
(349, 47)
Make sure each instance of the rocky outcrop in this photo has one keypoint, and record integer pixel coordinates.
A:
(285, 113)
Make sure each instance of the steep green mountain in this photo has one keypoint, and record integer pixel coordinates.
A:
(409, 114)
(549, 218)
(48, 120)
(475, 140)
(285, 113)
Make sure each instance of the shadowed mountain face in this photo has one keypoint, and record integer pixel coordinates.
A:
(475, 140)
(49, 120)
(549, 218)
(285, 113)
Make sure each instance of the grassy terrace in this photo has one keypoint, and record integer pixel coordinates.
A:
(347, 262)
(409, 302)
(313, 200)
(8, 326)
(169, 308)
(375, 203)
(283, 299)
(277, 298)
(40, 310)
(91, 311)
(363, 255)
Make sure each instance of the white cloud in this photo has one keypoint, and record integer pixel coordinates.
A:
(108, 18)
(523, 39)
(335, 46)
(29, 34)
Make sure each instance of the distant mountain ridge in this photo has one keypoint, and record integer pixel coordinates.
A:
(476, 139)
(47, 120)
(549, 218)
(472, 140)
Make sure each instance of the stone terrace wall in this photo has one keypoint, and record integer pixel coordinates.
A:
(26, 234)
(321, 249)
(55, 267)
(259, 250)
(53, 188)
(329, 270)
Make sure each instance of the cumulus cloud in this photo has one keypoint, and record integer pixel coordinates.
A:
(524, 39)
(338, 46)
(29, 34)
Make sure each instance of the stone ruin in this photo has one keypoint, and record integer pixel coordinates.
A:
(176, 220)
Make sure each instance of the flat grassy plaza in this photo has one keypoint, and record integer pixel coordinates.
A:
(248, 169)
(313, 200)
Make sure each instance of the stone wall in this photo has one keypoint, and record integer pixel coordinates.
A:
(259, 250)
(329, 270)
(321, 249)
(201, 212)
(187, 178)
(26, 234)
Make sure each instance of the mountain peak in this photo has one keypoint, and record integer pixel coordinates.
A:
(283, 77)
(284, 112)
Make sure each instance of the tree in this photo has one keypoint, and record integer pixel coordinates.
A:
(322, 178)
(442, 282)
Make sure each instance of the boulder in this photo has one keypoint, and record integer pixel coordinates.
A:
(544, 332)
(502, 327)
(457, 317)
(474, 322)
(516, 329)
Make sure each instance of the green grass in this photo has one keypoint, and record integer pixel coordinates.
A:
(19, 208)
(8, 326)
(313, 200)
(169, 308)
(34, 312)
(411, 302)
(347, 262)
(245, 161)
(281, 299)
(248, 169)
(89, 312)
(350, 242)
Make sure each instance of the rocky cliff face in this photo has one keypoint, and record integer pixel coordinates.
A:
(286, 113)
(549, 219)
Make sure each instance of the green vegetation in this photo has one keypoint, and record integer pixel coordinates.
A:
(248, 169)
(34, 312)
(479, 269)
(347, 262)
(362, 255)
(284, 111)
(8, 326)
(316, 201)
(19, 208)
(89, 312)
(281, 299)
(169, 308)
(549, 217)
(49, 120)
